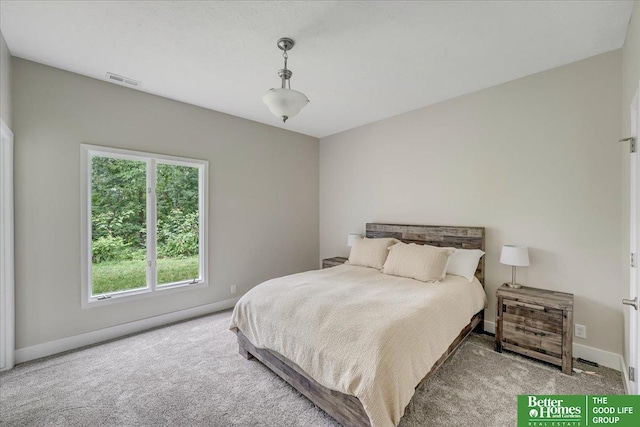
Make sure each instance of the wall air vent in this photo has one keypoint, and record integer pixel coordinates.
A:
(114, 78)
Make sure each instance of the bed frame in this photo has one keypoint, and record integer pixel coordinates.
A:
(347, 409)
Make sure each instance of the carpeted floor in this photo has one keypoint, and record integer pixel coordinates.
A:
(190, 374)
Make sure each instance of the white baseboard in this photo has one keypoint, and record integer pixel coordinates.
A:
(489, 326)
(601, 357)
(625, 378)
(69, 343)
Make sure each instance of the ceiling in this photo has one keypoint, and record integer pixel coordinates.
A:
(358, 62)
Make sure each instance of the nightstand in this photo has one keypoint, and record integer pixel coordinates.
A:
(537, 323)
(332, 262)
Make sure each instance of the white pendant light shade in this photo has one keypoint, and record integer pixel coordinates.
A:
(285, 103)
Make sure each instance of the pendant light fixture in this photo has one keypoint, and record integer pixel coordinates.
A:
(285, 102)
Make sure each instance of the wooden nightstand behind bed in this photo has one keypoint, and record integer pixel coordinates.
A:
(332, 262)
(537, 323)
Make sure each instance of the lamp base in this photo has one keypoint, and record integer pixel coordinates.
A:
(514, 286)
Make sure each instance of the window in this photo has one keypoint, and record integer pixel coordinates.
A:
(144, 224)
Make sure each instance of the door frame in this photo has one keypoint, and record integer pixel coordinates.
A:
(7, 299)
(633, 356)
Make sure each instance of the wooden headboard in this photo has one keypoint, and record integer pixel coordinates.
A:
(434, 235)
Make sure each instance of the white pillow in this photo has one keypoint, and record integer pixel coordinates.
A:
(371, 252)
(464, 262)
(421, 262)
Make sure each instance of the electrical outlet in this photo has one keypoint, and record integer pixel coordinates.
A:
(580, 331)
(234, 289)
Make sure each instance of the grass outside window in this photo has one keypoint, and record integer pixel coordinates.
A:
(115, 276)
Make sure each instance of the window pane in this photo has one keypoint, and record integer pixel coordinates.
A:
(118, 225)
(178, 227)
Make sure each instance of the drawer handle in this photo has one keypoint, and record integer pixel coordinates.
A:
(525, 305)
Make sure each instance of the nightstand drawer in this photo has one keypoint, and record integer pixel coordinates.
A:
(532, 339)
(537, 323)
(532, 315)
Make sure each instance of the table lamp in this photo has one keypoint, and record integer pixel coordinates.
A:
(352, 238)
(515, 256)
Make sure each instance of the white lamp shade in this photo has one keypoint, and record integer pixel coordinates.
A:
(352, 238)
(515, 255)
(285, 102)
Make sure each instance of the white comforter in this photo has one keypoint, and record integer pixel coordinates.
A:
(358, 331)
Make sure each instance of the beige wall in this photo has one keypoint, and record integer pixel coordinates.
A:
(533, 160)
(630, 79)
(263, 195)
(5, 83)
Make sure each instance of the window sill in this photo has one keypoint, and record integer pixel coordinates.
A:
(141, 294)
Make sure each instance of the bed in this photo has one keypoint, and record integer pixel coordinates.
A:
(357, 342)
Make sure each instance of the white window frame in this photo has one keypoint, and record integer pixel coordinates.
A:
(152, 289)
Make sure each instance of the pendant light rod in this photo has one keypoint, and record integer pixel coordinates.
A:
(285, 44)
(285, 75)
